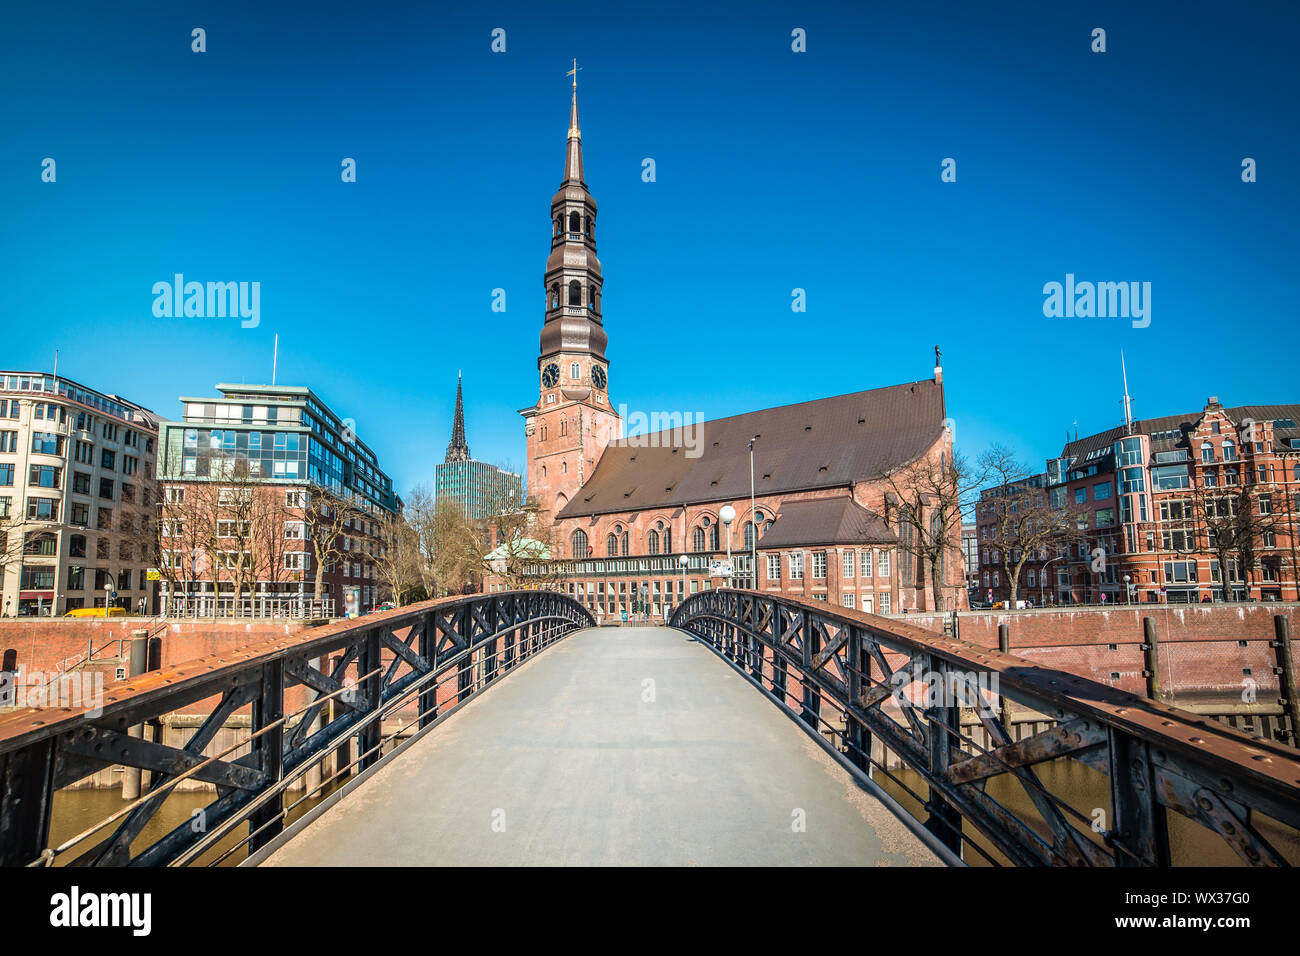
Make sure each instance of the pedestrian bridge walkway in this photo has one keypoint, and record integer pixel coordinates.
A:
(620, 745)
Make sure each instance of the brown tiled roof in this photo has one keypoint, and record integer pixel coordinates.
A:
(827, 443)
(837, 520)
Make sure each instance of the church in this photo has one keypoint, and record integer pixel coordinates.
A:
(637, 524)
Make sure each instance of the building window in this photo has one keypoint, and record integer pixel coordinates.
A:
(1207, 451)
(819, 565)
(864, 564)
(713, 538)
(698, 541)
(652, 542)
(884, 603)
(884, 569)
(774, 567)
(796, 565)
(1229, 450)
(575, 371)
(575, 292)
(849, 600)
(611, 545)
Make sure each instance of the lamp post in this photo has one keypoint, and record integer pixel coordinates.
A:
(1042, 581)
(753, 520)
(684, 561)
(1128, 589)
(728, 515)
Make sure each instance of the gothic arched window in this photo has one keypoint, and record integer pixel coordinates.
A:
(575, 222)
(555, 294)
(668, 541)
(579, 544)
(652, 542)
(611, 546)
(697, 540)
(713, 538)
(564, 467)
(575, 292)
(749, 535)
(623, 542)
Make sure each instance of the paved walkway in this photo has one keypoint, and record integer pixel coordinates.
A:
(617, 746)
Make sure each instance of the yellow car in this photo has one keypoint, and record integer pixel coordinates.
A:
(96, 612)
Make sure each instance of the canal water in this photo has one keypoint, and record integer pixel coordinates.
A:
(1088, 791)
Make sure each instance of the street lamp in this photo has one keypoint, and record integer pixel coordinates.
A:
(728, 515)
(1128, 589)
(1042, 581)
(753, 520)
(684, 561)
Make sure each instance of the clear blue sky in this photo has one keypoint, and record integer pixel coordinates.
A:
(776, 170)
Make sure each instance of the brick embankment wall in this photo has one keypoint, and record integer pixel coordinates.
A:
(1205, 649)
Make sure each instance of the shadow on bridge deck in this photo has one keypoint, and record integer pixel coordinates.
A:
(578, 759)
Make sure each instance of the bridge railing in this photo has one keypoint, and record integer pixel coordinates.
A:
(931, 719)
(430, 658)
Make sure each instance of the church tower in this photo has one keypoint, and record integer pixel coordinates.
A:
(572, 422)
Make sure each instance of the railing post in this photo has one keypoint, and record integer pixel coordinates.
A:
(859, 738)
(269, 747)
(26, 798)
(1286, 675)
(811, 711)
(1139, 827)
(943, 727)
(1004, 705)
(429, 651)
(465, 667)
(369, 736)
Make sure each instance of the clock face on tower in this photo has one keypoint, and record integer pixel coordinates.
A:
(550, 375)
(598, 377)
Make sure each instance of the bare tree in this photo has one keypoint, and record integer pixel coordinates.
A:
(521, 547)
(329, 517)
(1025, 526)
(397, 558)
(928, 496)
(1234, 523)
(420, 515)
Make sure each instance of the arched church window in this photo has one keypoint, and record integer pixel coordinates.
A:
(611, 546)
(543, 471)
(668, 541)
(555, 294)
(579, 544)
(564, 426)
(652, 542)
(713, 538)
(698, 540)
(623, 543)
(575, 292)
(564, 467)
(575, 222)
(749, 535)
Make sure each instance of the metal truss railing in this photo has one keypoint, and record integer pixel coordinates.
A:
(432, 657)
(868, 687)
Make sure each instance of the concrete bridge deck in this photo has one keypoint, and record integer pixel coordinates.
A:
(577, 759)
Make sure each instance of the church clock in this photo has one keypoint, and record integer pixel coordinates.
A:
(598, 377)
(551, 375)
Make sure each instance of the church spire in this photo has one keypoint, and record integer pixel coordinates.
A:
(573, 154)
(458, 448)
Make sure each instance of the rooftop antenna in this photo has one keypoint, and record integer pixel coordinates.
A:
(56, 370)
(1128, 402)
(275, 357)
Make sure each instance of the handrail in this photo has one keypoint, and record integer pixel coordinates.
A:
(379, 661)
(866, 672)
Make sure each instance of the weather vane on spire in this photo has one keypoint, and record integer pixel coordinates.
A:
(574, 72)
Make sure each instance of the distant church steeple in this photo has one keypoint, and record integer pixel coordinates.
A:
(458, 448)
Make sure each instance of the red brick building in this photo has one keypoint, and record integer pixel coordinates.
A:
(639, 522)
(1144, 487)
